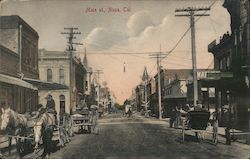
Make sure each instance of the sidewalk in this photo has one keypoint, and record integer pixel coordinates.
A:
(221, 130)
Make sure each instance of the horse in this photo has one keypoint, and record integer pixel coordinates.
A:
(43, 129)
(15, 125)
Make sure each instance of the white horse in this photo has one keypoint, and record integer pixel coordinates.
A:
(14, 124)
(43, 129)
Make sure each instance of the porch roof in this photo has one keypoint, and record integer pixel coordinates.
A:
(44, 85)
(16, 81)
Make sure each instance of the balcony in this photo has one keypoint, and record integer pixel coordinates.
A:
(225, 41)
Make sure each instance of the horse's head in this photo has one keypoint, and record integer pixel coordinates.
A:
(5, 118)
(38, 128)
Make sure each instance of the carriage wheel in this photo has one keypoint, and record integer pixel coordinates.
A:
(61, 142)
(215, 132)
(183, 132)
(89, 129)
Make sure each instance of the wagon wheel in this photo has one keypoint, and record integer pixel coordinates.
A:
(61, 137)
(39, 151)
(215, 132)
(89, 128)
(183, 131)
(20, 147)
(71, 126)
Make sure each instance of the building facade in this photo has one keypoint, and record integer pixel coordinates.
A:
(54, 67)
(232, 60)
(19, 59)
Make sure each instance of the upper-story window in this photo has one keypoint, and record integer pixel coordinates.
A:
(86, 86)
(228, 62)
(61, 76)
(49, 75)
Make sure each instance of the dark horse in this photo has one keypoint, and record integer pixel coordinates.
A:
(43, 129)
(15, 125)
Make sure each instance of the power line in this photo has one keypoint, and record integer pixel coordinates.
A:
(185, 33)
(192, 12)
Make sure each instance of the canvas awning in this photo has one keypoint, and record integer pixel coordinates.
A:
(44, 85)
(16, 81)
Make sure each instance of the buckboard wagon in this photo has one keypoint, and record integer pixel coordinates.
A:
(85, 119)
(81, 121)
(199, 123)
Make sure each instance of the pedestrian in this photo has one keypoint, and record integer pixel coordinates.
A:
(173, 116)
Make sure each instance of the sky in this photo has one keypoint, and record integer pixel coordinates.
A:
(139, 26)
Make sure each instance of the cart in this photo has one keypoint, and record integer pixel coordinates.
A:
(25, 142)
(81, 120)
(199, 123)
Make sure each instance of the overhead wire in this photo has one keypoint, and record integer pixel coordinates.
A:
(135, 54)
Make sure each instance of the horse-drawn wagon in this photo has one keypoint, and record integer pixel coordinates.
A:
(30, 132)
(85, 119)
(200, 122)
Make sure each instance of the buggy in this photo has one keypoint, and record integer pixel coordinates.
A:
(199, 122)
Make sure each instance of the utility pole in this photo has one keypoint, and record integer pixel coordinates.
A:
(98, 72)
(159, 56)
(192, 12)
(70, 49)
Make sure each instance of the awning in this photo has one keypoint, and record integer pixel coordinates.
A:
(16, 81)
(44, 85)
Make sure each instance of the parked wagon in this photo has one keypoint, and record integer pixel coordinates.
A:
(85, 119)
(81, 121)
(25, 140)
(199, 123)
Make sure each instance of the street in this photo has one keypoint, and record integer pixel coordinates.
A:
(139, 137)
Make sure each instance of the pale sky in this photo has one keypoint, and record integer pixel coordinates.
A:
(143, 28)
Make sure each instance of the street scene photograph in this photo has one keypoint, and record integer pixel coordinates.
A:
(125, 79)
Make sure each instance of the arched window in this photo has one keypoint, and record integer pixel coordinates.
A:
(61, 76)
(62, 103)
(49, 75)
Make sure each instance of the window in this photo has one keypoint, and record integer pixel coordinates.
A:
(221, 64)
(61, 76)
(49, 75)
(62, 103)
(228, 62)
(86, 85)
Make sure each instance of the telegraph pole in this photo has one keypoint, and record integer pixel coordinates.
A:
(98, 72)
(192, 12)
(159, 56)
(71, 32)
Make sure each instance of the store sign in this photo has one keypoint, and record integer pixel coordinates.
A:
(218, 75)
(215, 75)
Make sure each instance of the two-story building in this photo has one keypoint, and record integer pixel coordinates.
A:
(54, 67)
(175, 89)
(18, 60)
(232, 61)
